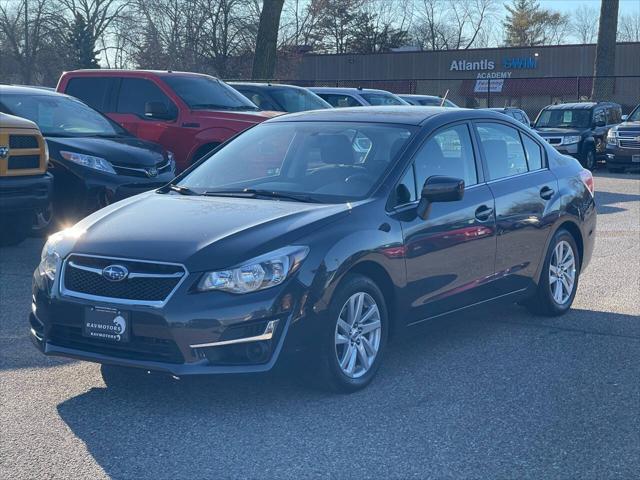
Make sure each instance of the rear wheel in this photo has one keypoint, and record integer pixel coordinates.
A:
(355, 338)
(559, 279)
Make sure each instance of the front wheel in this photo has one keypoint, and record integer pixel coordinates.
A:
(356, 335)
(590, 161)
(559, 279)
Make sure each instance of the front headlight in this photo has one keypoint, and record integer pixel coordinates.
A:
(89, 161)
(611, 137)
(568, 140)
(263, 272)
(171, 157)
(49, 258)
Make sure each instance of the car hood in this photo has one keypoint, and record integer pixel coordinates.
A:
(628, 126)
(120, 151)
(549, 132)
(203, 233)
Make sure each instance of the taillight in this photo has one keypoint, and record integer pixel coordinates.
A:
(587, 178)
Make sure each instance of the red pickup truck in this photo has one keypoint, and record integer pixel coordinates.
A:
(187, 113)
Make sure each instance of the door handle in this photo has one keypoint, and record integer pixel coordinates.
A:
(483, 213)
(546, 193)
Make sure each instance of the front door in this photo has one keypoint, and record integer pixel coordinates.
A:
(450, 255)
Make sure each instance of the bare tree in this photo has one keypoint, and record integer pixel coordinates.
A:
(584, 26)
(629, 28)
(605, 63)
(25, 29)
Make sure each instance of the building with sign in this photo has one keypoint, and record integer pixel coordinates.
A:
(529, 78)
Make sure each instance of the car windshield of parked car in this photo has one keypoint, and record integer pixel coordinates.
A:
(635, 115)
(298, 100)
(382, 98)
(314, 161)
(203, 92)
(62, 116)
(429, 102)
(564, 119)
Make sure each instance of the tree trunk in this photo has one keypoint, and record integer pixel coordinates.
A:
(264, 61)
(605, 63)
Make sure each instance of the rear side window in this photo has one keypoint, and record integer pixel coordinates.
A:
(503, 150)
(614, 115)
(534, 153)
(599, 116)
(449, 152)
(135, 93)
(340, 100)
(94, 91)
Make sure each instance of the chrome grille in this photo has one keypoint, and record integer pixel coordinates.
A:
(147, 283)
(554, 140)
(629, 139)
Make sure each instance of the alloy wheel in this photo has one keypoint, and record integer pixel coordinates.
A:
(42, 218)
(562, 272)
(358, 334)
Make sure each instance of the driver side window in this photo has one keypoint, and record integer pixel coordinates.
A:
(450, 153)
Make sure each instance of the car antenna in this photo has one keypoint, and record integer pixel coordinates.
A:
(446, 94)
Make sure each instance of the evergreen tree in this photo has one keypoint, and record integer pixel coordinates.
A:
(82, 44)
(528, 25)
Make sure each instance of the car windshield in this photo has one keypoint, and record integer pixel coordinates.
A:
(59, 115)
(382, 98)
(635, 115)
(430, 102)
(325, 162)
(207, 93)
(564, 118)
(298, 99)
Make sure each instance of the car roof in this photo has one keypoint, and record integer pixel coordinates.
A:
(401, 115)
(347, 90)
(26, 90)
(264, 85)
(579, 105)
(415, 95)
(100, 72)
(502, 109)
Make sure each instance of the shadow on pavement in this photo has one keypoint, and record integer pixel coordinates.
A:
(446, 391)
(605, 201)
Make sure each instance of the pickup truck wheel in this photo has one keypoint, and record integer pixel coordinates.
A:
(589, 159)
(43, 220)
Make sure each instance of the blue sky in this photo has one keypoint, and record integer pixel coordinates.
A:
(566, 6)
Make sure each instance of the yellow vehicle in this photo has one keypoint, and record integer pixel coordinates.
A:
(25, 185)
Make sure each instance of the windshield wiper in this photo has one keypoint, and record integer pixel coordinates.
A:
(253, 193)
(176, 188)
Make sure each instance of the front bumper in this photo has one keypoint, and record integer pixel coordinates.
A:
(622, 157)
(24, 193)
(174, 338)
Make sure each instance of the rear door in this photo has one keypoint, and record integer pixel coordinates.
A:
(450, 256)
(526, 194)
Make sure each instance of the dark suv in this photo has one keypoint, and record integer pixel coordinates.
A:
(579, 129)
(623, 144)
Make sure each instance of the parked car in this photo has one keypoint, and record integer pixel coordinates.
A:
(187, 113)
(517, 113)
(579, 129)
(94, 161)
(623, 144)
(280, 98)
(428, 101)
(357, 97)
(25, 184)
(288, 239)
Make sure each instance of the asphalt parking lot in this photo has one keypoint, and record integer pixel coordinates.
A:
(496, 393)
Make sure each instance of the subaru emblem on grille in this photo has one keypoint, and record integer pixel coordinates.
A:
(115, 273)
(152, 172)
(4, 151)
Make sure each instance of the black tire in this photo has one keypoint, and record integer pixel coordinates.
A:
(44, 221)
(331, 374)
(121, 378)
(589, 159)
(14, 228)
(543, 303)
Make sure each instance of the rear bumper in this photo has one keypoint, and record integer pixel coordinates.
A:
(20, 194)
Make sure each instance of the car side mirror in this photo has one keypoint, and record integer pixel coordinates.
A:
(157, 110)
(438, 188)
(625, 117)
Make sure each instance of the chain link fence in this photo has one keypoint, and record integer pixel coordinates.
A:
(530, 94)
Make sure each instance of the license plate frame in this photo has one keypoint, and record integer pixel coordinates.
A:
(106, 324)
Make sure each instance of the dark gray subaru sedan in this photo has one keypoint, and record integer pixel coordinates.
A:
(327, 232)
